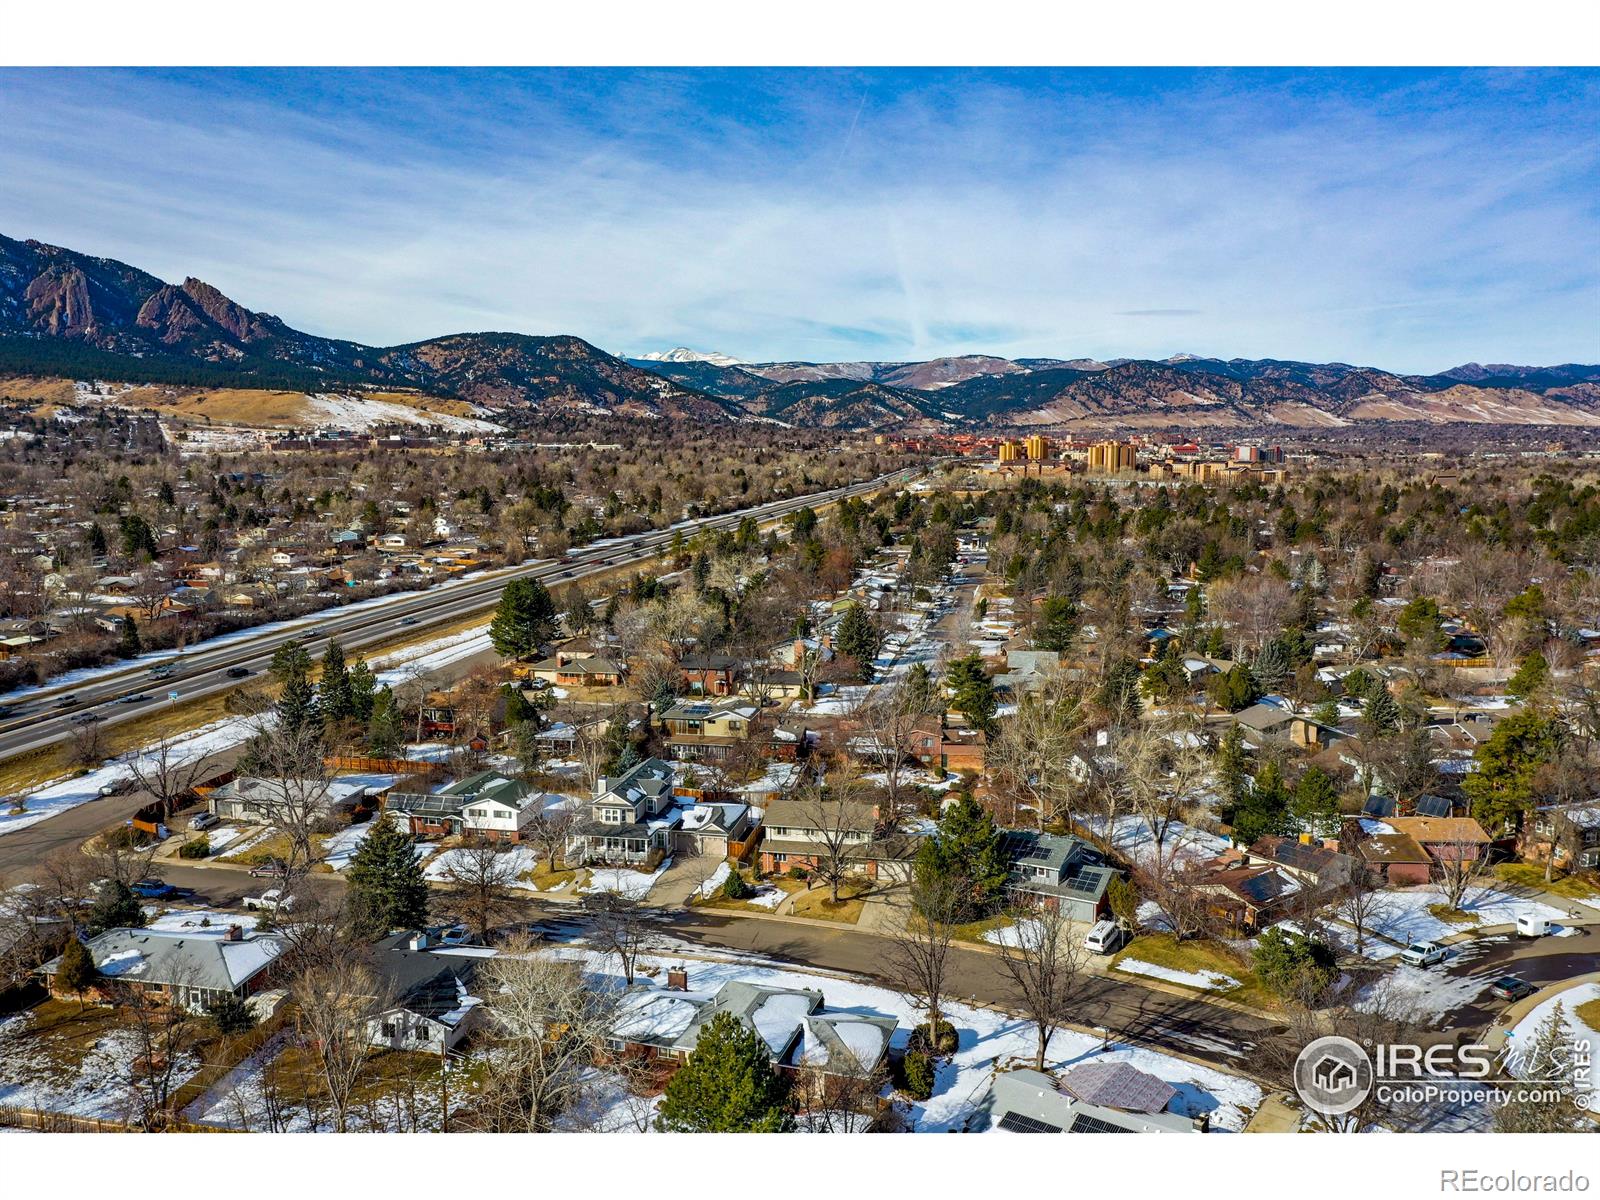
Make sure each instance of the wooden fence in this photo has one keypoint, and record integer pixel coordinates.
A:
(384, 766)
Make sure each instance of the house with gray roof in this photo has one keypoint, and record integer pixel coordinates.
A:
(486, 803)
(429, 992)
(266, 801)
(793, 1023)
(632, 816)
(1058, 870)
(1126, 1101)
(194, 968)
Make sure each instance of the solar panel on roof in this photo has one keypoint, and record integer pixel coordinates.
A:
(1018, 1123)
(1084, 1123)
(1378, 806)
(1433, 806)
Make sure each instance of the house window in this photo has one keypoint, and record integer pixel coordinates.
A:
(424, 1033)
(388, 1029)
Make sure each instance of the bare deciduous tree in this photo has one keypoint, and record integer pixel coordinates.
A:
(1044, 962)
(620, 927)
(548, 1030)
(336, 994)
(919, 952)
(479, 876)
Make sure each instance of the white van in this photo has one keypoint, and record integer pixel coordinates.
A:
(1105, 938)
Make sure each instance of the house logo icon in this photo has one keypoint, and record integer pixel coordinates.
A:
(1333, 1076)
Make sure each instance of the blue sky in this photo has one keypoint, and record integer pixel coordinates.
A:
(1406, 219)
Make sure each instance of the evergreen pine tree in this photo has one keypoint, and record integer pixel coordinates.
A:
(334, 696)
(966, 847)
(922, 695)
(97, 540)
(1530, 677)
(115, 907)
(1382, 713)
(76, 971)
(727, 1085)
(363, 691)
(524, 620)
(1316, 801)
(128, 644)
(1272, 666)
(298, 711)
(1545, 1066)
(972, 691)
(858, 639)
(384, 735)
(1233, 770)
(1264, 809)
(387, 890)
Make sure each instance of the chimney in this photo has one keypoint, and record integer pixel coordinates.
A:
(602, 785)
(677, 979)
(235, 933)
(420, 940)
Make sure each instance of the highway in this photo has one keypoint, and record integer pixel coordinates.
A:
(54, 713)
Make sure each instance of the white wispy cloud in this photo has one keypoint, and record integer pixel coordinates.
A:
(842, 215)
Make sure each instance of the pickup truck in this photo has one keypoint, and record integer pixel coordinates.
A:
(271, 900)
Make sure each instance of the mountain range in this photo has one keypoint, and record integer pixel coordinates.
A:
(64, 314)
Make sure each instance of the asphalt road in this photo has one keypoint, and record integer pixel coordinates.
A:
(1540, 961)
(47, 717)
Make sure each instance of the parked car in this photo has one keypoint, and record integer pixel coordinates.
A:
(1511, 987)
(152, 889)
(1105, 938)
(271, 900)
(1424, 954)
(238, 672)
(269, 870)
(455, 935)
(202, 821)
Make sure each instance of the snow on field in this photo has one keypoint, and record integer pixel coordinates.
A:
(989, 1041)
(1420, 993)
(219, 838)
(198, 922)
(359, 413)
(1151, 916)
(1404, 916)
(1134, 840)
(53, 1078)
(633, 885)
(341, 848)
(1585, 1037)
(245, 845)
(712, 886)
(1205, 981)
(55, 798)
(61, 795)
(767, 897)
(523, 858)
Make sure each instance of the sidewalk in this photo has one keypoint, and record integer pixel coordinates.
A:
(1507, 1020)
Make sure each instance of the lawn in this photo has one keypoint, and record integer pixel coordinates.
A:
(1589, 1013)
(1196, 957)
(1531, 875)
(973, 931)
(1451, 916)
(817, 904)
(546, 880)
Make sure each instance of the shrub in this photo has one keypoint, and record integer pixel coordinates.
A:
(195, 847)
(916, 1075)
(944, 1040)
(799, 873)
(734, 887)
(230, 1014)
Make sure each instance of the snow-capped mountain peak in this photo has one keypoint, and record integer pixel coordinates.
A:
(682, 354)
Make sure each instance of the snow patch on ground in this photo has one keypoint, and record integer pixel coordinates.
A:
(1205, 981)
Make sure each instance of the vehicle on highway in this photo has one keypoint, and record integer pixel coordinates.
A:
(87, 718)
(136, 698)
(152, 888)
(410, 620)
(203, 821)
(1424, 954)
(238, 672)
(1511, 987)
(271, 900)
(163, 670)
(271, 869)
(67, 702)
